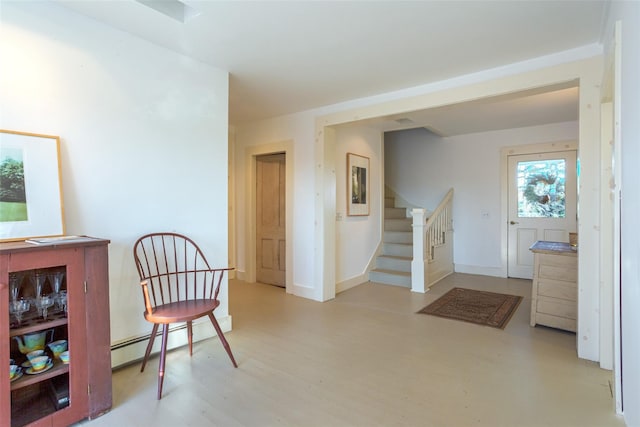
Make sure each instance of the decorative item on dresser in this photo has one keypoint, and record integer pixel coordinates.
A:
(69, 281)
(554, 292)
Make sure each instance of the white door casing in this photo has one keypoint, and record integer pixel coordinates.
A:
(525, 230)
(249, 209)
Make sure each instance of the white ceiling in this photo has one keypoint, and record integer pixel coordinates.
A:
(292, 56)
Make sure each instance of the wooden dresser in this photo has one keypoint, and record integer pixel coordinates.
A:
(554, 294)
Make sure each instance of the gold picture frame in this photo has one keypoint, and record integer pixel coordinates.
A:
(357, 185)
(30, 186)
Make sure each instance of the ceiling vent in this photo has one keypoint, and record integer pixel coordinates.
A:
(174, 9)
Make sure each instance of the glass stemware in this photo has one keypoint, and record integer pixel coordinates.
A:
(55, 279)
(14, 286)
(43, 303)
(38, 280)
(17, 308)
(61, 301)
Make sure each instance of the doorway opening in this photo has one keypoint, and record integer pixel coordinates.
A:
(252, 156)
(271, 219)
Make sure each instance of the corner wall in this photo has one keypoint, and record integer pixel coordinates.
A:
(143, 138)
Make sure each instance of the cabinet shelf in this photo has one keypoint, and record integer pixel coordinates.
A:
(58, 368)
(37, 326)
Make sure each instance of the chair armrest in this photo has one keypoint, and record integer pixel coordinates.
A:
(145, 294)
(217, 286)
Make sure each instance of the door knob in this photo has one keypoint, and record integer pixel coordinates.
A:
(513, 222)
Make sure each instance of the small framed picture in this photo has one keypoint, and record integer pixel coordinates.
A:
(30, 186)
(357, 185)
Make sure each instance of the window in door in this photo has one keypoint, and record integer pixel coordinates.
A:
(541, 188)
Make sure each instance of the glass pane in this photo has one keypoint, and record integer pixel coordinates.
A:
(541, 189)
(39, 334)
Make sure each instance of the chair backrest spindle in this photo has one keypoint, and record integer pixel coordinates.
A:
(175, 269)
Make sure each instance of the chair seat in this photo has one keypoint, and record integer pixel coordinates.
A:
(182, 311)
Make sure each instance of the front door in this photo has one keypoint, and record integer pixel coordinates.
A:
(270, 219)
(542, 205)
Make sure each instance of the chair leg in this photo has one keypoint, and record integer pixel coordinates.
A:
(163, 357)
(190, 337)
(152, 338)
(225, 344)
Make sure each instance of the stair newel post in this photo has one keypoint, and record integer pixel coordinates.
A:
(419, 264)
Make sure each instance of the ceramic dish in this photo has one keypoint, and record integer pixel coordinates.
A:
(16, 376)
(30, 370)
(26, 364)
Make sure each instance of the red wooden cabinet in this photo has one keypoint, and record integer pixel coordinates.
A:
(62, 393)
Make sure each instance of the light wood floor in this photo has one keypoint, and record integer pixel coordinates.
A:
(366, 359)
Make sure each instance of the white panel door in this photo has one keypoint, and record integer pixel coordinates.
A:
(542, 205)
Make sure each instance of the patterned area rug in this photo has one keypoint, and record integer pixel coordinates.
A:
(483, 308)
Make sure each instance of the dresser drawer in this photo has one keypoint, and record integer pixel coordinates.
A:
(566, 261)
(556, 322)
(566, 273)
(557, 289)
(556, 307)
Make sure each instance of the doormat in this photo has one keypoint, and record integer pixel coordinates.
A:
(480, 307)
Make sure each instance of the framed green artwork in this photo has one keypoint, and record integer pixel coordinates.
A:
(30, 186)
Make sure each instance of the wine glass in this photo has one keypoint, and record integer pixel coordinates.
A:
(18, 307)
(56, 278)
(43, 303)
(61, 300)
(38, 280)
(14, 286)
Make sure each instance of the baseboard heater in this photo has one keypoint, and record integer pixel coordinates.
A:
(131, 350)
(146, 337)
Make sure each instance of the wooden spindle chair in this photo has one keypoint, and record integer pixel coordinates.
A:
(178, 285)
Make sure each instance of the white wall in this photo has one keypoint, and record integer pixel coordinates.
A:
(357, 237)
(628, 13)
(143, 137)
(422, 166)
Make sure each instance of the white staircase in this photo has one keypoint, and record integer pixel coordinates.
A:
(393, 265)
(399, 262)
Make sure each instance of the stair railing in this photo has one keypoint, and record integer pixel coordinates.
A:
(429, 234)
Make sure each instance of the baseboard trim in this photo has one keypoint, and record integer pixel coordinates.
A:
(481, 271)
(351, 283)
(241, 275)
(129, 350)
(304, 292)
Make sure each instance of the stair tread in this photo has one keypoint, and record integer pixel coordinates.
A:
(394, 272)
(398, 257)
